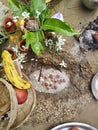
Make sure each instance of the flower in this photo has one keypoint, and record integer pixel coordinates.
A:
(59, 43)
(15, 18)
(63, 64)
(49, 43)
(58, 16)
(20, 56)
(26, 15)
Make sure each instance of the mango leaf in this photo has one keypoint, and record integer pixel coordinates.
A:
(56, 25)
(34, 39)
(37, 47)
(17, 7)
(44, 14)
(37, 6)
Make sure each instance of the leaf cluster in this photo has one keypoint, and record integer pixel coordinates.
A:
(38, 9)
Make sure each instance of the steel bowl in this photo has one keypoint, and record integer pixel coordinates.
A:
(94, 86)
(69, 125)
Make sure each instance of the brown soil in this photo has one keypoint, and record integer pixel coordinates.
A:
(67, 104)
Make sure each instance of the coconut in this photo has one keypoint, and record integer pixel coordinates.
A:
(49, 80)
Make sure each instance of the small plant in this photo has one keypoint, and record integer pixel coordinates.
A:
(35, 20)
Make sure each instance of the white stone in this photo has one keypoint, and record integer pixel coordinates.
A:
(53, 81)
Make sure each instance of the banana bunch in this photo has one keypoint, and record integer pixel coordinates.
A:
(12, 73)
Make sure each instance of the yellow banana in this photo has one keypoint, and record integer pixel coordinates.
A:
(12, 73)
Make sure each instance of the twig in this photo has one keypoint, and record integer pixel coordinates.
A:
(40, 73)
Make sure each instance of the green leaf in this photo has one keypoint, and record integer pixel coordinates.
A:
(56, 25)
(37, 5)
(17, 7)
(37, 47)
(34, 39)
(29, 37)
(45, 14)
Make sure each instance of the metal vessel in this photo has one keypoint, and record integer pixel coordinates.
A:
(69, 125)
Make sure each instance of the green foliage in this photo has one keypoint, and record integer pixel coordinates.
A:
(17, 7)
(56, 25)
(37, 6)
(35, 39)
(38, 10)
(45, 14)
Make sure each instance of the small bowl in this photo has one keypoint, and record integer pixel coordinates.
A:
(9, 25)
(21, 46)
(94, 86)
